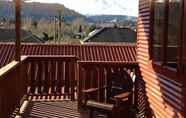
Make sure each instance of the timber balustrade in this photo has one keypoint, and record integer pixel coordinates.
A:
(12, 87)
(36, 76)
(52, 76)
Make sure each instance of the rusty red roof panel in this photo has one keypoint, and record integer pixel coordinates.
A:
(86, 52)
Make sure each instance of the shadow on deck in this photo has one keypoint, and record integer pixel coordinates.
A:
(53, 109)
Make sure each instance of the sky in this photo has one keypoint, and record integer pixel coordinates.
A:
(97, 7)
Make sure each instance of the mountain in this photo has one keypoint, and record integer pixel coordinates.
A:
(48, 11)
(37, 10)
(110, 18)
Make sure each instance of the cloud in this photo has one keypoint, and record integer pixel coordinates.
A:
(116, 7)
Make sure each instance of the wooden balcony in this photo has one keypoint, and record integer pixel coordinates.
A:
(52, 85)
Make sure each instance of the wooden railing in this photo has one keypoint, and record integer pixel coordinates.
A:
(51, 77)
(12, 87)
(48, 76)
(98, 75)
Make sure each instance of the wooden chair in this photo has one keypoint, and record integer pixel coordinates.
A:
(119, 91)
(108, 108)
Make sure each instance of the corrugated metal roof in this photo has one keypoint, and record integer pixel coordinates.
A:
(86, 52)
(112, 34)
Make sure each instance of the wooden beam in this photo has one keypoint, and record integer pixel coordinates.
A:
(183, 54)
(9, 67)
(18, 29)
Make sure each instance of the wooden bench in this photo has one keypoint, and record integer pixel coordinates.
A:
(102, 107)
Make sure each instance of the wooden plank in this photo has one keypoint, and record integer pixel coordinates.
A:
(72, 80)
(18, 30)
(12, 65)
(52, 58)
(67, 76)
(60, 75)
(108, 84)
(49, 66)
(32, 82)
(51, 109)
(39, 77)
(102, 83)
(122, 95)
(183, 62)
(4, 70)
(46, 79)
(53, 77)
(79, 84)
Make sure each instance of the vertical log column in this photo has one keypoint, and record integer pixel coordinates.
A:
(18, 30)
(183, 69)
(18, 40)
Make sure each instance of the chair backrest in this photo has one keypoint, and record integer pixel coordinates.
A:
(120, 82)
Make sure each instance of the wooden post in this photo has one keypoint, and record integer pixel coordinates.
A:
(18, 30)
(18, 43)
(183, 60)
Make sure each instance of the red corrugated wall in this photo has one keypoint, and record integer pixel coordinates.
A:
(164, 94)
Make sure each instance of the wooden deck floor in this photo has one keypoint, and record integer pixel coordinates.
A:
(59, 109)
(53, 109)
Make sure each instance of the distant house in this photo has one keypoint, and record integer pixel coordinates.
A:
(8, 35)
(79, 35)
(112, 34)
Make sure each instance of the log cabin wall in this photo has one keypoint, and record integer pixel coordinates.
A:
(164, 94)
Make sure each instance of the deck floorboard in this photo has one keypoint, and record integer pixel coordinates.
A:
(54, 109)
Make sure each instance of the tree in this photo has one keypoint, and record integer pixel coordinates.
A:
(34, 24)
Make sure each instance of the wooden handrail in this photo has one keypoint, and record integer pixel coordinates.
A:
(134, 63)
(9, 67)
(52, 57)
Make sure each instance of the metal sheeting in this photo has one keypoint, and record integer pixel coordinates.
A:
(165, 95)
(85, 52)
